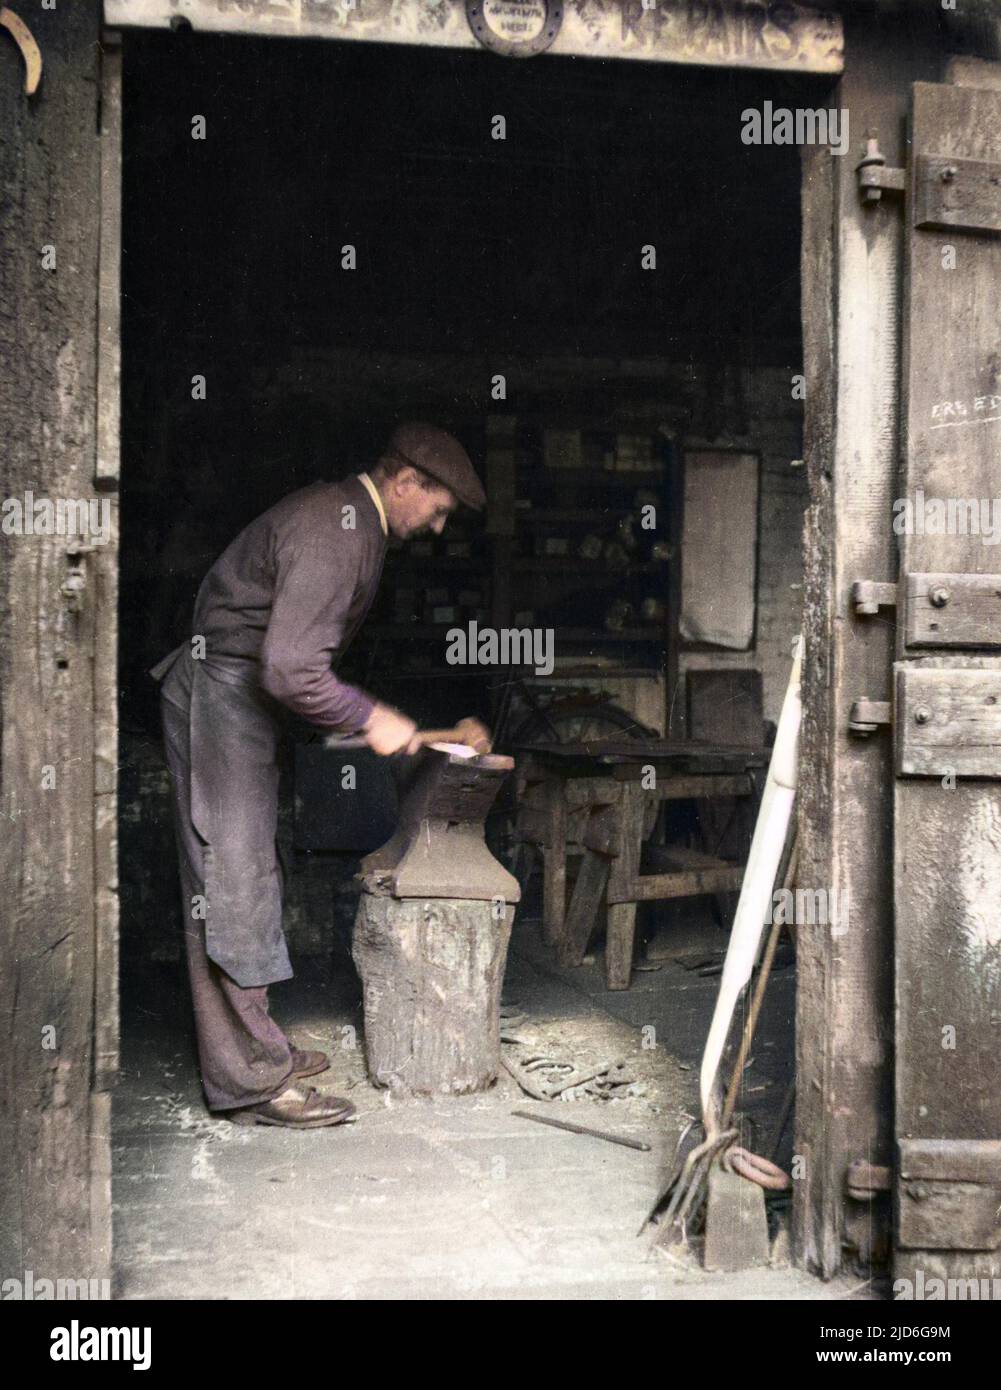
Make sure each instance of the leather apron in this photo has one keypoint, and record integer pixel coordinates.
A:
(234, 732)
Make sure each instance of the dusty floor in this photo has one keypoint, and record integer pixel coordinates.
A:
(446, 1199)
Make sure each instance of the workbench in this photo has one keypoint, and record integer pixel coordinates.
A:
(626, 781)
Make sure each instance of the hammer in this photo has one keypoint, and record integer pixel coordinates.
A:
(423, 737)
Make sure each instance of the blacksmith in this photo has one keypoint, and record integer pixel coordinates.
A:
(272, 617)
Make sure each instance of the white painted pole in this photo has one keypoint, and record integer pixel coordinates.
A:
(754, 908)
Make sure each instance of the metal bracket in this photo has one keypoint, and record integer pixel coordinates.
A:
(867, 715)
(952, 610)
(864, 1180)
(949, 1194)
(948, 721)
(957, 194)
(874, 177)
(869, 596)
(74, 585)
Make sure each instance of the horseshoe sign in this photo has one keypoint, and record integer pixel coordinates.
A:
(30, 51)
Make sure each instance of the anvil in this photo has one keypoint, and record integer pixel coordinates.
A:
(439, 850)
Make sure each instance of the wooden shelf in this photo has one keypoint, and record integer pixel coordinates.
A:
(547, 516)
(604, 477)
(516, 470)
(559, 563)
(632, 634)
(423, 563)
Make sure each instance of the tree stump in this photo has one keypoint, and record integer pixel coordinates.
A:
(432, 972)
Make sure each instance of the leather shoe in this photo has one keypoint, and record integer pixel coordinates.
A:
(308, 1063)
(298, 1107)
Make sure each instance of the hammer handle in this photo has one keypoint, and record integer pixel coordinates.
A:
(423, 736)
(426, 736)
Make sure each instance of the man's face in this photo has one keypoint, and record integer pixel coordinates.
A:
(413, 510)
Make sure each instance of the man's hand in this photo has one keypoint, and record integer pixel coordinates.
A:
(474, 734)
(388, 731)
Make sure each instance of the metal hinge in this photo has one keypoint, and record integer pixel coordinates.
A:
(867, 715)
(74, 586)
(869, 596)
(874, 177)
(864, 1179)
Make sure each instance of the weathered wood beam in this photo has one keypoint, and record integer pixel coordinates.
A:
(794, 37)
(851, 277)
(50, 173)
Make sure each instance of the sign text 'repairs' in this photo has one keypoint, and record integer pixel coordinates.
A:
(775, 34)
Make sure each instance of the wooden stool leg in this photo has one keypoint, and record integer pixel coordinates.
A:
(554, 883)
(620, 931)
(619, 942)
(585, 903)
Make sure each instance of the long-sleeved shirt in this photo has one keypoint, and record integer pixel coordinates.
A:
(289, 593)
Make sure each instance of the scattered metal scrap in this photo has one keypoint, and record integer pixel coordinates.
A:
(512, 1016)
(552, 1078)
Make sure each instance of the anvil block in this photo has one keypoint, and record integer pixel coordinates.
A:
(431, 935)
(439, 850)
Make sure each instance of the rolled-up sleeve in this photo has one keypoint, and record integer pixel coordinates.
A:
(315, 581)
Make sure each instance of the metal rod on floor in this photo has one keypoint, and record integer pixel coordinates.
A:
(583, 1129)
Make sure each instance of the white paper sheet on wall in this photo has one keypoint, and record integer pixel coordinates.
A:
(719, 549)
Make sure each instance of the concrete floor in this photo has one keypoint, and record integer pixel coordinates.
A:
(452, 1198)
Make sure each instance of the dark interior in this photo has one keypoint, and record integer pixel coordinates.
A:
(475, 258)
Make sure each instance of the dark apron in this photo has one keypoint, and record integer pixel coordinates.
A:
(234, 736)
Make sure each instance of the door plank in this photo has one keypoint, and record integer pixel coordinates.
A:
(947, 861)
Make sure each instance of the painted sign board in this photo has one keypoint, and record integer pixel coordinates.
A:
(772, 34)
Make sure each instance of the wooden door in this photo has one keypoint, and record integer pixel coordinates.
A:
(947, 699)
(58, 975)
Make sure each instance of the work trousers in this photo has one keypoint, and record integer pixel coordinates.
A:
(243, 1054)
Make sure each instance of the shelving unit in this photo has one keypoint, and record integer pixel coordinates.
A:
(589, 513)
(590, 594)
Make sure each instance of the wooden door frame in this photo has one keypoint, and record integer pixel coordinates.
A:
(106, 570)
(57, 687)
(853, 278)
(851, 261)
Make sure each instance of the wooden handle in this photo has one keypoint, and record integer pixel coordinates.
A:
(456, 735)
(423, 737)
(426, 736)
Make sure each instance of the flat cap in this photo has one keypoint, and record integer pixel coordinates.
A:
(442, 457)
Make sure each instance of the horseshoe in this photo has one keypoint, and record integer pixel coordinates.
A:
(30, 51)
(757, 1169)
